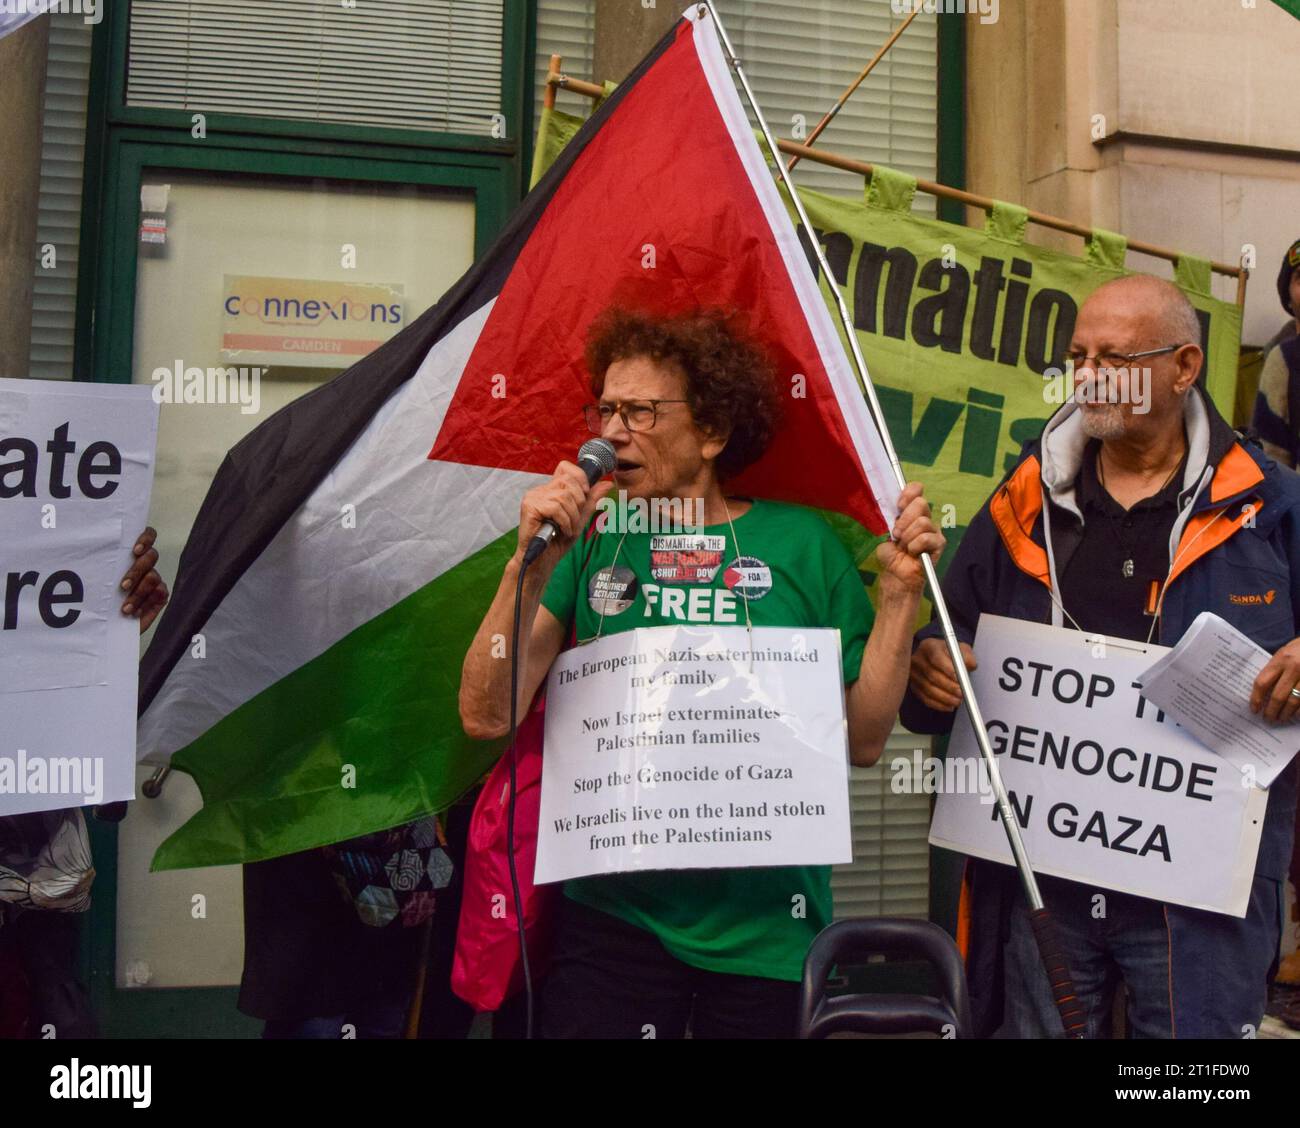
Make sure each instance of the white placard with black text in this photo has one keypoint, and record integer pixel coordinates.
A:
(682, 748)
(76, 470)
(1109, 791)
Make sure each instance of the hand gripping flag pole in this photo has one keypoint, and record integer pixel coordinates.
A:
(1045, 932)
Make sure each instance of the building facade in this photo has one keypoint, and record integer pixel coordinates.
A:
(173, 163)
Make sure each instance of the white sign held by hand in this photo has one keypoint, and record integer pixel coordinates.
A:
(680, 748)
(1108, 790)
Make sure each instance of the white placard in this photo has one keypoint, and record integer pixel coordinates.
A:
(666, 748)
(76, 469)
(1109, 791)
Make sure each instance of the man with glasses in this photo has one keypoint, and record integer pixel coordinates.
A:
(688, 402)
(1136, 510)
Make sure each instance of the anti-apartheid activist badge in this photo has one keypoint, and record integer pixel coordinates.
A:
(687, 558)
(612, 590)
(748, 576)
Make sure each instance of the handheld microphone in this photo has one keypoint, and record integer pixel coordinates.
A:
(596, 457)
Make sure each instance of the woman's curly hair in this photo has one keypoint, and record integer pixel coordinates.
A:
(730, 379)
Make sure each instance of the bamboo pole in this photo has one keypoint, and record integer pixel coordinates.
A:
(416, 1008)
(552, 80)
(588, 89)
(839, 102)
(985, 203)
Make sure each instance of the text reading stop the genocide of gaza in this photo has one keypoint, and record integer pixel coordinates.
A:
(643, 813)
(98, 469)
(1087, 757)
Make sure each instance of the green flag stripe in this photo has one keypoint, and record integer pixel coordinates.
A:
(383, 700)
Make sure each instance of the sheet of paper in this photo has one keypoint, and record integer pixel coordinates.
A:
(1204, 684)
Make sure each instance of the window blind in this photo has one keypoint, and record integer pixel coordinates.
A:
(411, 64)
(800, 55)
(890, 871)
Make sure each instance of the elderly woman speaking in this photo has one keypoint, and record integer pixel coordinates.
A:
(687, 403)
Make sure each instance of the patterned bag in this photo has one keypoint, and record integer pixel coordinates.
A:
(45, 862)
(391, 877)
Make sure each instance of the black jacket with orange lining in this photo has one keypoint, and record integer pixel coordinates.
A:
(1235, 551)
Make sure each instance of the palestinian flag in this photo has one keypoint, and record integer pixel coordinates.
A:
(306, 672)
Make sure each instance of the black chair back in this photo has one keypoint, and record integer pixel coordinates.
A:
(848, 941)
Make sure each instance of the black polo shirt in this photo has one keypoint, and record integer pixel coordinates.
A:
(1094, 587)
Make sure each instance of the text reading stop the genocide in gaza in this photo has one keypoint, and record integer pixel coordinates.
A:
(1088, 757)
(98, 468)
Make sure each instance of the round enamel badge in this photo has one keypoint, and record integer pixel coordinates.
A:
(611, 591)
(748, 576)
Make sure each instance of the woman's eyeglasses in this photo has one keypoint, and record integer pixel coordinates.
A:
(637, 415)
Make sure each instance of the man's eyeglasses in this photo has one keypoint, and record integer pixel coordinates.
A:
(637, 415)
(1076, 360)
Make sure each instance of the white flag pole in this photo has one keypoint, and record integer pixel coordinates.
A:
(1048, 946)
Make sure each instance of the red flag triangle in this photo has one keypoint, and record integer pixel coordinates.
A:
(668, 208)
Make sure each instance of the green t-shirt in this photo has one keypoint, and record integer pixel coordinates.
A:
(795, 573)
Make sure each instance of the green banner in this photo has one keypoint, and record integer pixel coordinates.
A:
(964, 330)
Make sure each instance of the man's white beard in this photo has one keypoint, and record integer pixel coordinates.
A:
(1104, 422)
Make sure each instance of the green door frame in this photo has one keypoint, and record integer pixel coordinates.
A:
(121, 143)
(130, 152)
(154, 1012)
(111, 123)
(946, 867)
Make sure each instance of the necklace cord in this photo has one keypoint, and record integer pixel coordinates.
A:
(749, 626)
